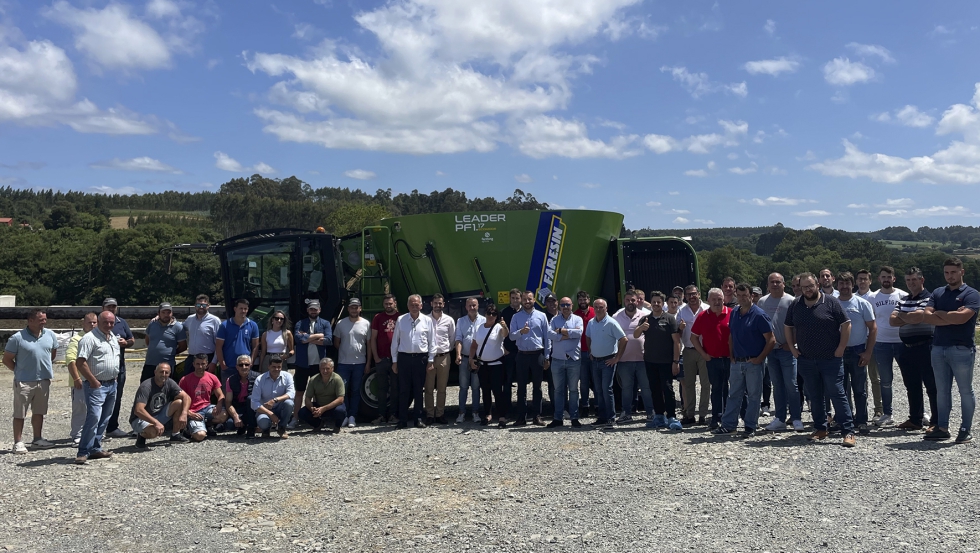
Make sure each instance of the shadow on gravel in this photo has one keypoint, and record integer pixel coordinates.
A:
(920, 445)
(47, 462)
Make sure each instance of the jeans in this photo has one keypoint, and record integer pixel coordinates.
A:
(631, 375)
(695, 369)
(585, 380)
(875, 381)
(745, 382)
(387, 388)
(120, 384)
(529, 370)
(98, 405)
(283, 410)
(565, 373)
(916, 366)
(885, 354)
(335, 415)
(719, 369)
(785, 395)
(954, 363)
(469, 380)
(245, 413)
(856, 383)
(604, 375)
(411, 381)
(766, 384)
(353, 375)
(825, 378)
(661, 377)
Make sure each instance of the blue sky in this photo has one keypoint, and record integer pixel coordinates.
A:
(847, 115)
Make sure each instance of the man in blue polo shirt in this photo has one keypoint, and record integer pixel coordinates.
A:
(238, 335)
(607, 342)
(752, 341)
(818, 329)
(953, 309)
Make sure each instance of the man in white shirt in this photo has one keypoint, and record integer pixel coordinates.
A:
(826, 282)
(889, 345)
(466, 328)
(413, 351)
(695, 367)
(863, 281)
(351, 337)
(438, 379)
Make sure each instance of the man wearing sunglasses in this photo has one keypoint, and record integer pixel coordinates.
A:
(202, 331)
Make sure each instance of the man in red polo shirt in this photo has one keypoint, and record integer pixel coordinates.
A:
(587, 313)
(709, 336)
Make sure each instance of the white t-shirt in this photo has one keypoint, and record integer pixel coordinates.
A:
(353, 340)
(494, 349)
(884, 305)
(685, 314)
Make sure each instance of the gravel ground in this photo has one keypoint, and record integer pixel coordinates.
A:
(465, 487)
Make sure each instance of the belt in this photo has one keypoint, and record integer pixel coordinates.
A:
(532, 352)
(412, 354)
(606, 358)
(107, 382)
(919, 343)
(442, 354)
(742, 359)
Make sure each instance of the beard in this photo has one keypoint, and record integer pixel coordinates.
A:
(811, 296)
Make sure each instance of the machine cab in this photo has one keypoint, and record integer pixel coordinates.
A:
(281, 269)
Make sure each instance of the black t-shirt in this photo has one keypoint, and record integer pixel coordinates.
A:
(155, 397)
(507, 314)
(658, 340)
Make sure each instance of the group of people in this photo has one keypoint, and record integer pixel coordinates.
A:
(818, 348)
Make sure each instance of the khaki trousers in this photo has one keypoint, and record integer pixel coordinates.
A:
(695, 368)
(437, 379)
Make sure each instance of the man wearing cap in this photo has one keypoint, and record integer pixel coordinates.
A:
(165, 339)
(312, 335)
(202, 331)
(678, 292)
(29, 354)
(98, 365)
(238, 335)
(124, 335)
(351, 337)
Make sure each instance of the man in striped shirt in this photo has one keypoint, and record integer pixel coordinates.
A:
(98, 365)
(915, 361)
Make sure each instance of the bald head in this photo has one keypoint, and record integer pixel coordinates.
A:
(107, 320)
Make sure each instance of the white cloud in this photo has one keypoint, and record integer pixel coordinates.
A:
(958, 163)
(440, 174)
(773, 170)
(744, 170)
(653, 204)
(872, 50)
(899, 202)
(137, 164)
(543, 136)
(447, 79)
(857, 206)
(611, 124)
(677, 211)
(109, 191)
(523, 178)
(226, 163)
(812, 213)
(704, 221)
(775, 200)
(681, 221)
(590, 185)
(910, 116)
(808, 156)
(699, 173)
(698, 84)
(934, 211)
(734, 131)
(360, 174)
(303, 31)
(673, 193)
(770, 27)
(844, 72)
(732, 156)
(772, 67)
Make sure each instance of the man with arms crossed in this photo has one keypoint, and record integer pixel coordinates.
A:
(916, 361)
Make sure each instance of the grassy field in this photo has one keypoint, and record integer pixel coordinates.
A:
(120, 217)
(899, 244)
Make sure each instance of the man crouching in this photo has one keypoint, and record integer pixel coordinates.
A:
(160, 406)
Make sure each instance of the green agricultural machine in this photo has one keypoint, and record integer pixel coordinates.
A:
(460, 255)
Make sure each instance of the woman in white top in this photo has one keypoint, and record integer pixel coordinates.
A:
(486, 356)
(277, 339)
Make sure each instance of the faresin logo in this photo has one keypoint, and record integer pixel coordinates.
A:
(546, 259)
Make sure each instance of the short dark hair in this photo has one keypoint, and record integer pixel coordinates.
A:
(806, 274)
(862, 272)
(438, 296)
(658, 294)
(516, 291)
(203, 297)
(845, 275)
(743, 287)
(200, 356)
(887, 269)
(953, 262)
(389, 297)
(914, 271)
(630, 292)
(726, 279)
(690, 288)
(33, 313)
(275, 358)
(582, 294)
(241, 301)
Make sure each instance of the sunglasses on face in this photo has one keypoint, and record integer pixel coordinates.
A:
(566, 305)
(280, 319)
(202, 305)
(244, 364)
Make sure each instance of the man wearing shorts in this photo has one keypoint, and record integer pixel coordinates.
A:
(200, 385)
(29, 354)
(160, 406)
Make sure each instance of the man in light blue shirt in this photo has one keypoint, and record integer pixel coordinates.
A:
(272, 398)
(529, 329)
(565, 335)
(607, 342)
(29, 354)
(860, 347)
(202, 331)
(468, 379)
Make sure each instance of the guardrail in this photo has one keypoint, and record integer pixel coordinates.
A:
(79, 311)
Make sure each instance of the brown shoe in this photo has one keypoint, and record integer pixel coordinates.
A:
(100, 455)
(538, 421)
(283, 434)
(848, 441)
(909, 425)
(81, 460)
(818, 436)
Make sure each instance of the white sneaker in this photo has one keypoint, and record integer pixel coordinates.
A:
(118, 433)
(476, 417)
(41, 443)
(798, 425)
(344, 423)
(776, 425)
(351, 423)
(885, 420)
(461, 418)
(291, 425)
(75, 442)
(567, 416)
(20, 448)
